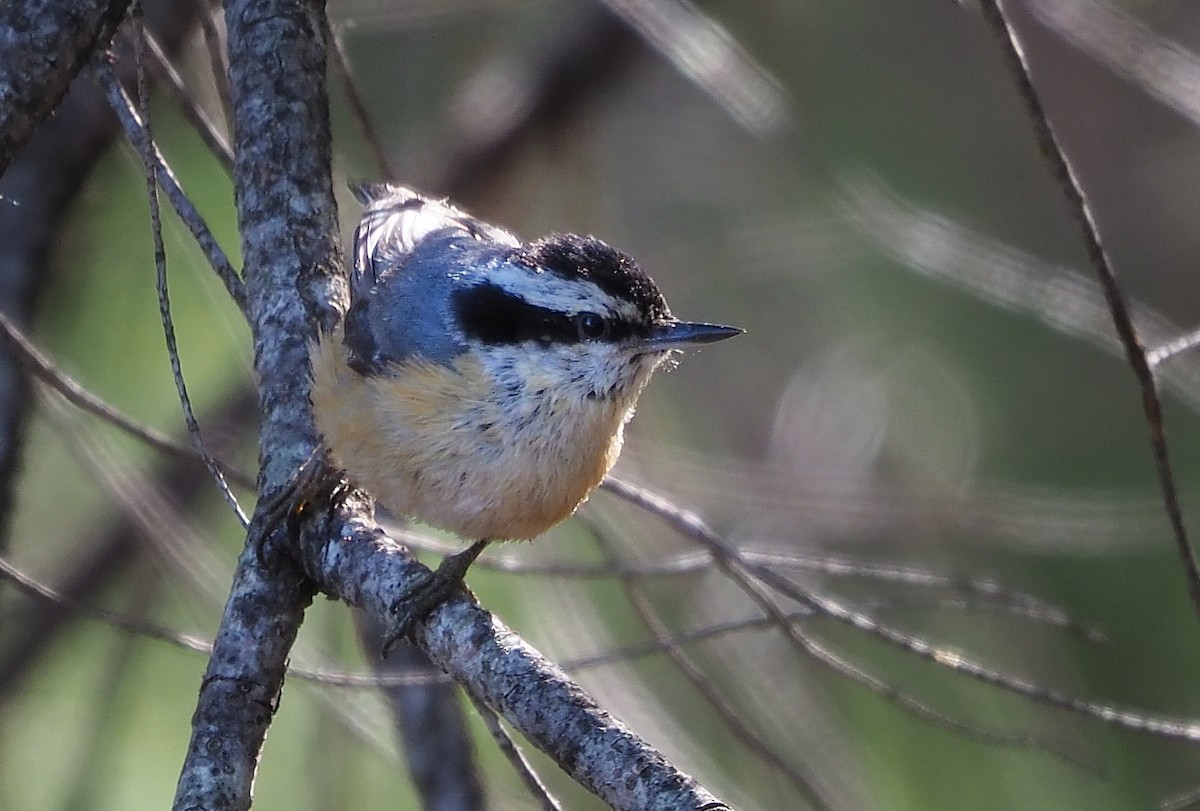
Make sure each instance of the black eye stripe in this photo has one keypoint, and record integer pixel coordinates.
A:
(490, 314)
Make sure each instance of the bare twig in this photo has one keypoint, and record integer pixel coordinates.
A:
(169, 78)
(216, 55)
(104, 555)
(355, 101)
(728, 559)
(691, 526)
(975, 592)
(1032, 613)
(803, 783)
(37, 590)
(684, 564)
(1135, 352)
(45, 370)
(136, 132)
(36, 191)
(516, 758)
(146, 149)
(661, 644)
(33, 588)
(1185, 730)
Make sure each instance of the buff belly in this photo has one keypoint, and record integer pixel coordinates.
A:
(444, 445)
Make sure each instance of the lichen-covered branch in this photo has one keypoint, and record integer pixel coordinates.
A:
(355, 561)
(291, 249)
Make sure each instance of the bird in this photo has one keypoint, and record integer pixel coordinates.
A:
(481, 384)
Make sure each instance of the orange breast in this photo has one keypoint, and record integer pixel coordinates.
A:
(438, 443)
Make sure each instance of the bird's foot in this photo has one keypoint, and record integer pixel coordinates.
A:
(430, 591)
(315, 481)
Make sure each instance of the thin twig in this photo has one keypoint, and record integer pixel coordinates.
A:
(919, 709)
(711, 695)
(216, 56)
(37, 590)
(340, 64)
(146, 149)
(44, 369)
(40, 591)
(1029, 612)
(728, 559)
(649, 647)
(977, 592)
(1138, 722)
(508, 747)
(1135, 352)
(136, 132)
(169, 78)
(692, 526)
(985, 591)
(680, 565)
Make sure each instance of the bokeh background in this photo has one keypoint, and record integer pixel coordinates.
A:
(927, 381)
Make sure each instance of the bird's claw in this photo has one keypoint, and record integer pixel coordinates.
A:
(431, 590)
(285, 507)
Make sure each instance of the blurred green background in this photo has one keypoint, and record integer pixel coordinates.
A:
(880, 408)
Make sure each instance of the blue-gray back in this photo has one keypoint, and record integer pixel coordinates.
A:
(410, 253)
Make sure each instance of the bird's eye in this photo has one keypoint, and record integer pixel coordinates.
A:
(591, 326)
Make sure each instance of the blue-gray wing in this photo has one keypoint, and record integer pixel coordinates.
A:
(407, 251)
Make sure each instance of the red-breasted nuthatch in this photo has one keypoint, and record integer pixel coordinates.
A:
(481, 384)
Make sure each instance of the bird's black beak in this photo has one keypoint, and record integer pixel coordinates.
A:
(682, 334)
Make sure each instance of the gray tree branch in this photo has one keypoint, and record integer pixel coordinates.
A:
(292, 258)
(355, 561)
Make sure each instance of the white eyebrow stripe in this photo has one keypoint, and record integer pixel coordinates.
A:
(548, 290)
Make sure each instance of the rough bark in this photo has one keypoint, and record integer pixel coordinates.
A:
(355, 561)
(291, 247)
